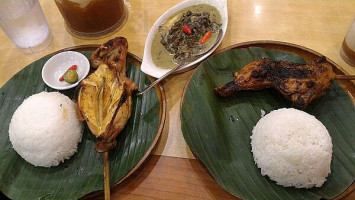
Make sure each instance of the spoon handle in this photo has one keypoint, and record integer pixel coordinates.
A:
(220, 33)
(159, 79)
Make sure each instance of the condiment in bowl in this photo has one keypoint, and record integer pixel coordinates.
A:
(55, 70)
(163, 51)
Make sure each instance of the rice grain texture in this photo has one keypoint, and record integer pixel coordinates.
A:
(292, 148)
(44, 129)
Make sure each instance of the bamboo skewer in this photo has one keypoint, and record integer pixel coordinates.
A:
(106, 176)
(344, 77)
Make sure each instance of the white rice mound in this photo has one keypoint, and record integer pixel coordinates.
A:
(44, 129)
(292, 148)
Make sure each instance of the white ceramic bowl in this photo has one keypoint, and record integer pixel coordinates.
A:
(58, 64)
(148, 66)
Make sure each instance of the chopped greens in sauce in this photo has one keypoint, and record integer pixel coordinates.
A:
(185, 34)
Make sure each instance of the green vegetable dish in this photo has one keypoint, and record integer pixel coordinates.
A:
(185, 34)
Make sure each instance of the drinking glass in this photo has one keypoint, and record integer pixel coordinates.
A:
(24, 23)
(347, 51)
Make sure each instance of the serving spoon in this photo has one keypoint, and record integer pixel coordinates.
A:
(188, 61)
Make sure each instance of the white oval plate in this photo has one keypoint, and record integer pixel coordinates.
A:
(58, 64)
(148, 66)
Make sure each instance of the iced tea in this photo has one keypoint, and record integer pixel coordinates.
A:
(92, 17)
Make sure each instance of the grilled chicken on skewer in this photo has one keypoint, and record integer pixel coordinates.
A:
(105, 100)
(298, 83)
(105, 96)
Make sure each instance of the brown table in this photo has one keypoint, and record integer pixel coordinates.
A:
(172, 172)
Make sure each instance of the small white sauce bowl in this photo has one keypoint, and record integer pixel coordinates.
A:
(148, 66)
(58, 64)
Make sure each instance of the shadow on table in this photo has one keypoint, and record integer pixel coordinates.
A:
(211, 187)
(164, 177)
(2, 196)
(129, 185)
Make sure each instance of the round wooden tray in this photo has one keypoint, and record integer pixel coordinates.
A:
(136, 161)
(208, 139)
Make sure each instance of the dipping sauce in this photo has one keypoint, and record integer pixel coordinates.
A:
(173, 45)
(91, 17)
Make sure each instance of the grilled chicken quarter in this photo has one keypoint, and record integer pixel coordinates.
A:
(299, 83)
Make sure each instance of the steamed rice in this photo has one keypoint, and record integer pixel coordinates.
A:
(44, 129)
(292, 148)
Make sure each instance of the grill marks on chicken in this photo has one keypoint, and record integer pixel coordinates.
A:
(105, 96)
(300, 84)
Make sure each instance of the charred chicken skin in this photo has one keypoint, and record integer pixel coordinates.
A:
(299, 83)
(104, 98)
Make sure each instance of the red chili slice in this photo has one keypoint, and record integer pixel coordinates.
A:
(74, 67)
(187, 30)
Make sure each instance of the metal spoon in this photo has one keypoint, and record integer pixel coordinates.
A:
(193, 58)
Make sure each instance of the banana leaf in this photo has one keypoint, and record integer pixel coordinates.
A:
(218, 129)
(83, 172)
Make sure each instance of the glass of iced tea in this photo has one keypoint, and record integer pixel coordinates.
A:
(92, 18)
(347, 51)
